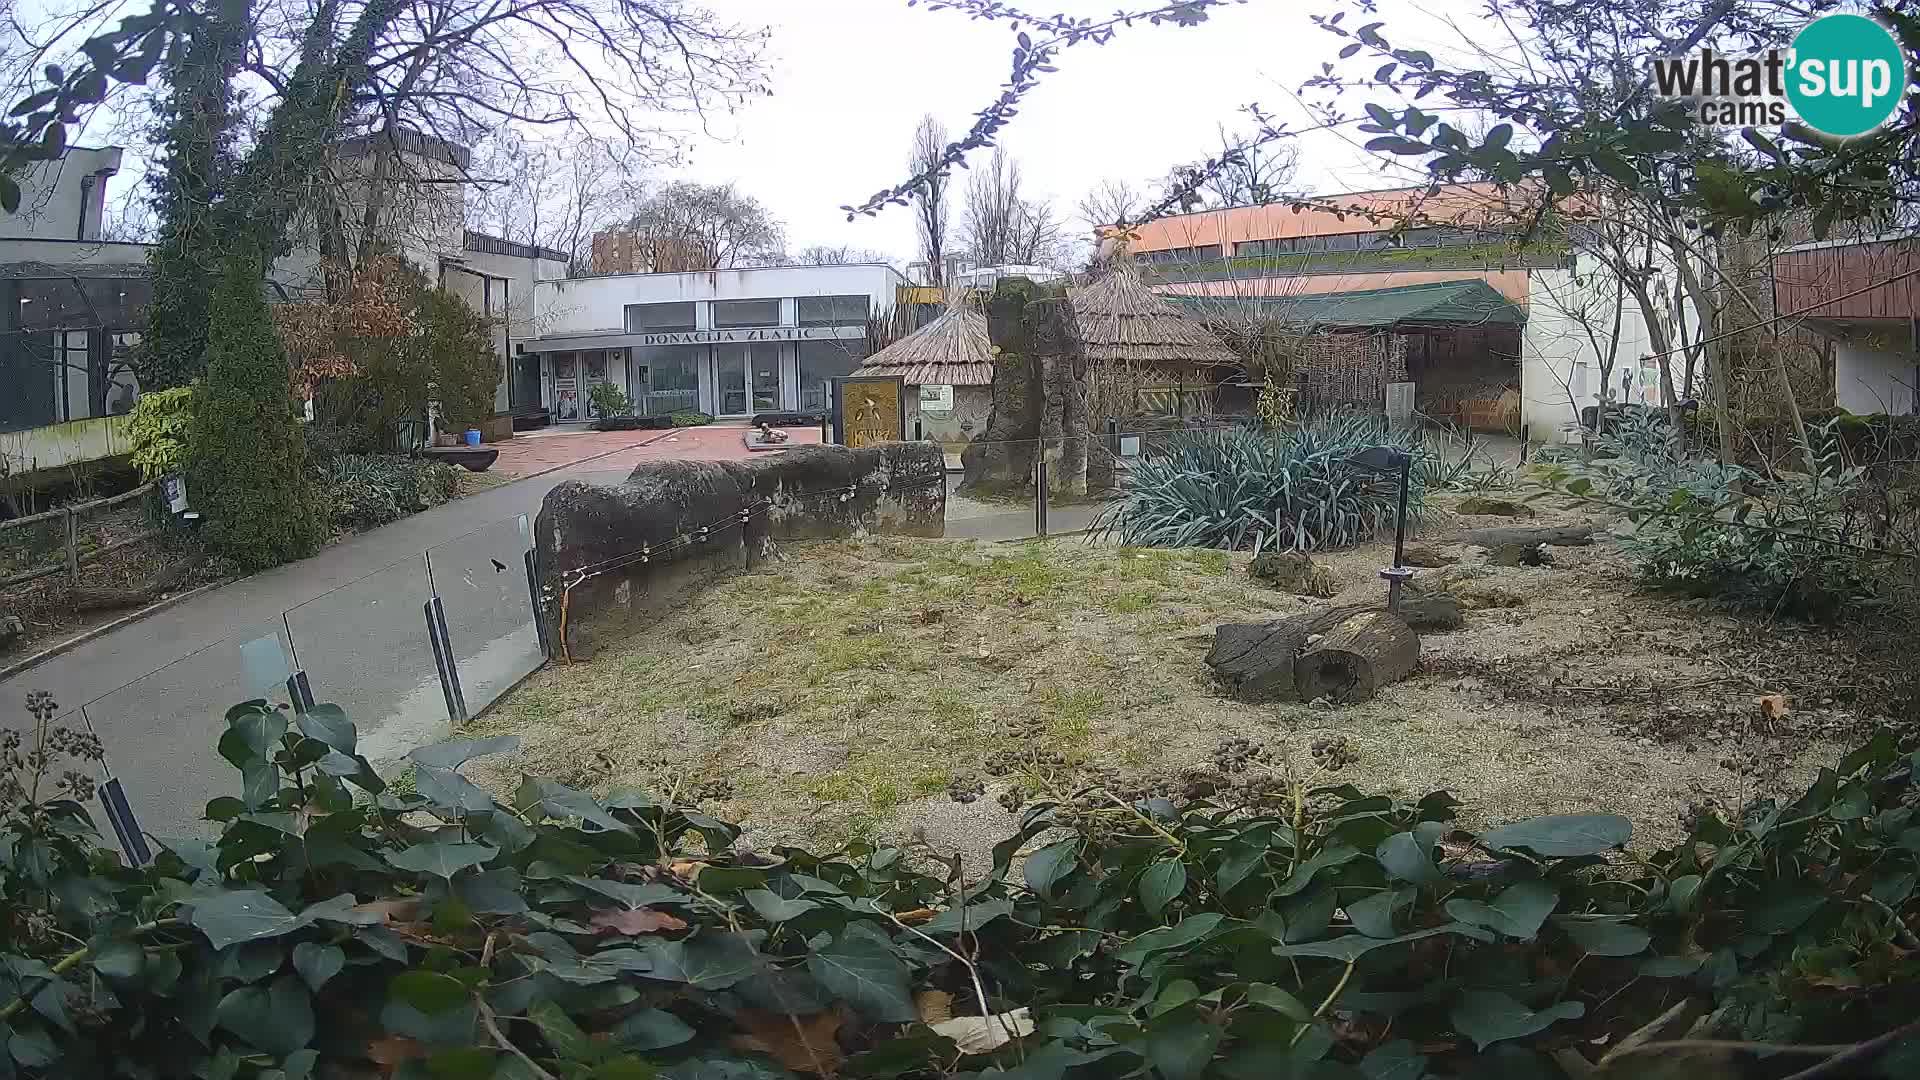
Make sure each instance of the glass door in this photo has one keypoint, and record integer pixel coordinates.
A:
(766, 377)
(595, 365)
(730, 380)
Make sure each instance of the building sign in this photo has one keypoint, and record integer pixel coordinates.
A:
(770, 333)
(936, 399)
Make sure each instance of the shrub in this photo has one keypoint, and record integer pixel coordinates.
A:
(366, 491)
(609, 400)
(691, 419)
(328, 441)
(247, 459)
(1789, 544)
(341, 927)
(1291, 488)
(158, 431)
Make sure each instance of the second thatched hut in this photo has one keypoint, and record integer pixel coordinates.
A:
(948, 368)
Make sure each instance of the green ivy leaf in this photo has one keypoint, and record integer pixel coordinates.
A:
(237, 915)
(120, 960)
(430, 992)
(1338, 855)
(561, 1033)
(862, 969)
(277, 1019)
(1517, 912)
(1353, 946)
(1681, 893)
(1395, 1060)
(652, 1029)
(1161, 882)
(1044, 868)
(773, 908)
(448, 789)
(1187, 931)
(1784, 910)
(441, 858)
(253, 733)
(972, 917)
(318, 963)
(1563, 835)
(33, 1048)
(1605, 937)
(464, 1063)
(1488, 1016)
(1373, 915)
(1403, 856)
(1272, 997)
(709, 960)
(631, 896)
(564, 803)
(491, 892)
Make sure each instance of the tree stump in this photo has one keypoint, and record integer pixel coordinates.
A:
(1345, 653)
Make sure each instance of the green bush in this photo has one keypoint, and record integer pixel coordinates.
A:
(158, 431)
(246, 456)
(337, 926)
(366, 491)
(691, 419)
(609, 400)
(1786, 544)
(1290, 488)
(328, 441)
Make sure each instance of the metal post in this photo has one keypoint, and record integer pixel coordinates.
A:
(1523, 444)
(1113, 435)
(533, 595)
(917, 436)
(300, 692)
(826, 428)
(1040, 494)
(443, 660)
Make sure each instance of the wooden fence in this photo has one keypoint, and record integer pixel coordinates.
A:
(70, 516)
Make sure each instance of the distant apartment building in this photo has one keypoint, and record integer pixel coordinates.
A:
(629, 251)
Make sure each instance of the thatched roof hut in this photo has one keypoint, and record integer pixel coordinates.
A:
(952, 350)
(1125, 322)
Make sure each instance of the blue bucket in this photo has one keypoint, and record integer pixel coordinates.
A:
(473, 436)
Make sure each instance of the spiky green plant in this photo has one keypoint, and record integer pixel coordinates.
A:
(1295, 488)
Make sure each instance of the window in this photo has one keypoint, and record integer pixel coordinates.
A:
(666, 379)
(820, 361)
(659, 318)
(832, 310)
(736, 313)
(1202, 253)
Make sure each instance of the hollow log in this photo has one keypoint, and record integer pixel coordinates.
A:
(1557, 535)
(1255, 660)
(1344, 653)
(1354, 658)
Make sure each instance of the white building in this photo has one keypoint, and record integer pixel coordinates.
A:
(729, 343)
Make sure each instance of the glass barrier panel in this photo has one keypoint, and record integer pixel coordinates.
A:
(481, 579)
(992, 495)
(160, 731)
(364, 647)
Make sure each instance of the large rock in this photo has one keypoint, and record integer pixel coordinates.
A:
(610, 552)
(1294, 572)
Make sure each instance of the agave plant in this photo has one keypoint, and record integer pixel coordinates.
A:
(1295, 488)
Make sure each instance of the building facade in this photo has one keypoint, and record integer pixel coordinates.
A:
(1864, 295)
(728, 343)
(1385, 255)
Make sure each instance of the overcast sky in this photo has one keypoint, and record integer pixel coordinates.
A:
(851, 79)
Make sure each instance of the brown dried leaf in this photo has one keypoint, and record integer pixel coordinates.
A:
(638, 921)
(685, 868)
(393, 1050)
(802, 1044)
(397, 909)
(1772, 707)
(933, 1006)
(917, 916)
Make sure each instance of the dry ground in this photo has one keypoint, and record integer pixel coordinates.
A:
(845, 688)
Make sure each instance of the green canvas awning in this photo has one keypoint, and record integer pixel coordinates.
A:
(1452, 303)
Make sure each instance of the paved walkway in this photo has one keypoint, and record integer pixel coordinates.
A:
(535, 452)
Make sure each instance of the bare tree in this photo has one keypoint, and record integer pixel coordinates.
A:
(555, 194)
(930, 203)
(1109, 202)
(1249, 172)
(836, 255)
(1000, 227)
(688, 226)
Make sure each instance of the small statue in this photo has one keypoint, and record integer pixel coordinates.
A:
(769, 434)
